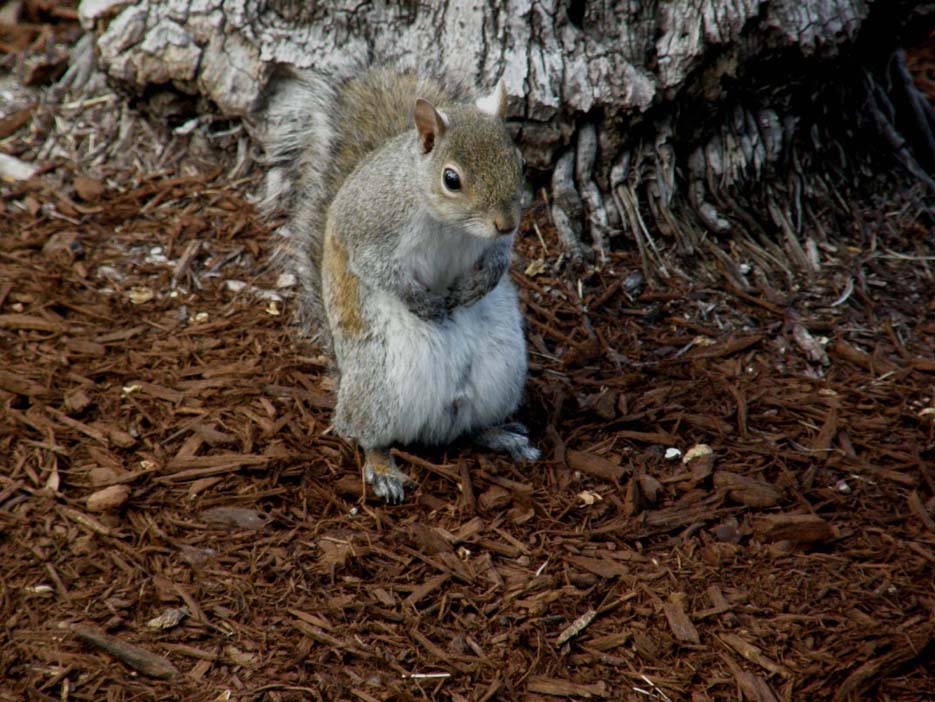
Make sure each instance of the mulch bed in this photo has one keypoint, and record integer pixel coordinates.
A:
(178, 522)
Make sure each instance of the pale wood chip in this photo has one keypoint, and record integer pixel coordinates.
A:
(752, 653)
(567, 688)
(576, 627)
(108, 498)
(85, 520)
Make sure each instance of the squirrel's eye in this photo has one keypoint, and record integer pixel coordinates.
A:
(451, 179)
(522, 164)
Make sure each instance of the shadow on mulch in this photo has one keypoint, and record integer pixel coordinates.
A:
(168, 478)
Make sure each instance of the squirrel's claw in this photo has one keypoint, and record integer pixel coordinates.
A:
(526, 451)
(510, 438)
(384, 477)
(389, 487)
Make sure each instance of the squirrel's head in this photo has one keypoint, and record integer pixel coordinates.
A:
(474, 171)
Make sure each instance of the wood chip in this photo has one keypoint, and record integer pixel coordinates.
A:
(753, 687)
(221, 460)
(185, 260)
(14, 120)
(85, 347)
(424, 590)
(19, 385)
(592, 464)
(170, 618)
(88, 189)
(469, 529)
(238, 517)
(85, 520)
(576, 627)
(719, 603)
(566, 688)
(244, 659)
(430, 540)
(494, 498)
(12, 168)
(158, 391)
(333, 642)
(212, 436)
(813, 349)
(700, 460)
(679, 622)
(728, 348)
(26, 322)
(604, 567)
(77, 400)
(647, 437)
(190, 651)
(845, 351)
(121, 334)
(108, 498)
(747, 491)
(85, 429)
(752, 653)
(136, 657)
(800, 528)
(926, 365)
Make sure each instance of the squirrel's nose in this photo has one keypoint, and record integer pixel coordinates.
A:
(505, 224)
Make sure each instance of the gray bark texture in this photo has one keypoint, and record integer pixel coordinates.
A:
(651, 119)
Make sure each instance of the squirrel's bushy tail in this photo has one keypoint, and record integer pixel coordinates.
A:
(299, 138)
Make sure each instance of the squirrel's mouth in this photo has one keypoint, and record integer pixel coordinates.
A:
(497, 234)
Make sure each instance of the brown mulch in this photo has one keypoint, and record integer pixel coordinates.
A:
(178, 522)
(142, 349)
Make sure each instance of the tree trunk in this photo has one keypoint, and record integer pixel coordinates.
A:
(668, 121)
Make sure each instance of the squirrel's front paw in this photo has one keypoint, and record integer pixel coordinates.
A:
(429, 307)
(387, 480)
(485, 276)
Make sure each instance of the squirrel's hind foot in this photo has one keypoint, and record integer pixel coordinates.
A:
(381, 473)
(510, 438)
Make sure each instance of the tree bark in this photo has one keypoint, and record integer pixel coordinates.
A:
(661, 119)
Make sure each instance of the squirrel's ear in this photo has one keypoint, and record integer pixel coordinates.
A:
(495, 103)
(430, 122)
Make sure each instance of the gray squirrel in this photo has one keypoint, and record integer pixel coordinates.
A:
(403, 199)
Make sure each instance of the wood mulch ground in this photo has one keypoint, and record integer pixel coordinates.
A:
(177, 522)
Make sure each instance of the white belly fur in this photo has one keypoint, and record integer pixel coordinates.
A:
(465, 374)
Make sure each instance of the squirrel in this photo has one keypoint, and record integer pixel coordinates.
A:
(403, 200)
